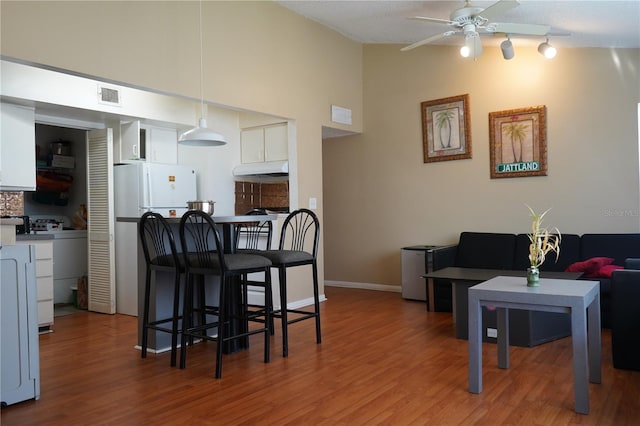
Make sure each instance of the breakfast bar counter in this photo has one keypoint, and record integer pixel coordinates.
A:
(162, 292)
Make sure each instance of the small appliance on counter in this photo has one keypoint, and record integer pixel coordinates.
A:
(48, 225)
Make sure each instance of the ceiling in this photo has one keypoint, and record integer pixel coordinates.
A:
(590, 23)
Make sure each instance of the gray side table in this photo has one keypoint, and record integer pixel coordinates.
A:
(579, 298)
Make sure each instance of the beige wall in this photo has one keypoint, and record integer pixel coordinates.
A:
(257, 56)
(379, 195)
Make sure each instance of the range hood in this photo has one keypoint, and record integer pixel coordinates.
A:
(278, 168)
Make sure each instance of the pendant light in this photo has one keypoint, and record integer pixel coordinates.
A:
(201, 135)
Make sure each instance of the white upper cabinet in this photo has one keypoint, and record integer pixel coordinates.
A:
(162, 145)
(129, 142)
(269, 143)
(17, 148)
(147, 143)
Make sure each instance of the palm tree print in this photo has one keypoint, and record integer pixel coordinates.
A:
(443, 123)
(517, 132)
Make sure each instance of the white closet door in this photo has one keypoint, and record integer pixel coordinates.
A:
(100, 224)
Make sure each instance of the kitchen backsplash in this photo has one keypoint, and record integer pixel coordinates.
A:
(11, 203)
(251, 195)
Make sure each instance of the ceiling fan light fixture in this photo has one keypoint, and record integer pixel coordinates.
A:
(201, 135)
(472, 46)
(507, 49)
(547, 50)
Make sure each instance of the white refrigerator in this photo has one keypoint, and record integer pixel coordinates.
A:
(162, 188)
(139, 188)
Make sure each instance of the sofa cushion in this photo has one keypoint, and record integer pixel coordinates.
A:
(618, 246)
(590, 267)
(487, 250)
(607, 270)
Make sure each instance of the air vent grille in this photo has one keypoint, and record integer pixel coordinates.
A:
(108, 95)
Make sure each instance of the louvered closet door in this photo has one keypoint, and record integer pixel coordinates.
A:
(100, 225)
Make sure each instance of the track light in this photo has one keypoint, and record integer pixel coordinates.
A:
(547, 50)
(507, 49)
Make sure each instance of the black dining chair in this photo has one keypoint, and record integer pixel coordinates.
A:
(254, 237)
(220, 309)
(298, 246)
(160, 254)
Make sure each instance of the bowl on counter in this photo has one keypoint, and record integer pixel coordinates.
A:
(205, 206)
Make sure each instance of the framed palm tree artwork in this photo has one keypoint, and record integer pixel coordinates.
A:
(446, 129)
(518, 142)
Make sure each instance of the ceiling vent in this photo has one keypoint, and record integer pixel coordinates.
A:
(109, 96)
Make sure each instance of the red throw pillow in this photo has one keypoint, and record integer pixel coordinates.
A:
(607, 270)
(590, 266)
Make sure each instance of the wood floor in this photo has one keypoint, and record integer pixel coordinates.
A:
(383, 360)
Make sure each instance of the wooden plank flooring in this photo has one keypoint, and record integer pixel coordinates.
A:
(383, 360)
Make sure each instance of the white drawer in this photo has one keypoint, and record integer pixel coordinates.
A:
(45, 313)
(45, 288)
(44, 250)
(44, 268)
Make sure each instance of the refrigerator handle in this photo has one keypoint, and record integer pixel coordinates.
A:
(149, 186)
(135, 150)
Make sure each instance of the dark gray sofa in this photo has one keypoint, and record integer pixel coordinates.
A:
(625, 316)
(490, 250)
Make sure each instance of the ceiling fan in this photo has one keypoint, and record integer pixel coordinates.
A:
(472, 21)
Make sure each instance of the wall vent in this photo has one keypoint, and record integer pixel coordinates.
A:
(109, 96)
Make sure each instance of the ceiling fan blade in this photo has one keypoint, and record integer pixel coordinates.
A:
(436, 20)
(510, 28)
(498, 9)
(428, 40)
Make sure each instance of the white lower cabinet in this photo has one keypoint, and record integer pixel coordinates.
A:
(44, 280)
(19, 348)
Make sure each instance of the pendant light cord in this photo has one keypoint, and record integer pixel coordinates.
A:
(201, 66)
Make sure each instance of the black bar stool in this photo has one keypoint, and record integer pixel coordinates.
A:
(298, 246)
(204, 256)
(160, 254)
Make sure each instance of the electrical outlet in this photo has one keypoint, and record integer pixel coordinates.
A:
(492, 332)
(313, 203)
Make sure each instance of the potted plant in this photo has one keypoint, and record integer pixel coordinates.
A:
(541, 243)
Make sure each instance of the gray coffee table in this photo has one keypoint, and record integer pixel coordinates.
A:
(528, 329)
(579, 298)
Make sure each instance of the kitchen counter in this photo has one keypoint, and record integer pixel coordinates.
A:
(57, 235)
(217, 219)
(34, 237)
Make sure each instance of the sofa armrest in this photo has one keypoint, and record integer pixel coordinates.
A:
(444, 257)
(625, 319)
(632, 263)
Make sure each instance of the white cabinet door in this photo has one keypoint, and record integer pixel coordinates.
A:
(100, 229)
(276, 143)
(19, 352)
(129, 141)
(252, 145)
(17, 148)
(262, 144)
(162, 145)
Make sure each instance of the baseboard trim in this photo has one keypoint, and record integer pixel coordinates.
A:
(364, 286)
